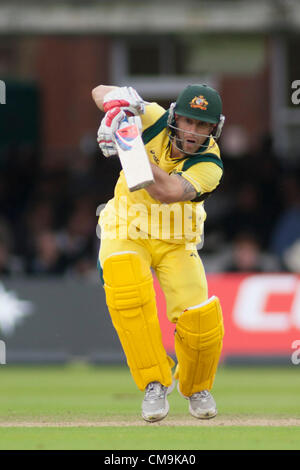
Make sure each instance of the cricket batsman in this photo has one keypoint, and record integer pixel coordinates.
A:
(158, 228)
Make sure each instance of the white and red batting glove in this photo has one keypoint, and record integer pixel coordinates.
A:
(122, 107)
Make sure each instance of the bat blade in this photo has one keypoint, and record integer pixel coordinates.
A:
(133, 157)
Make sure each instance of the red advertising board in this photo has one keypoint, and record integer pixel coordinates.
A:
(261, 313)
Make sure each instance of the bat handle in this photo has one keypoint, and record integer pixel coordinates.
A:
(123, 123)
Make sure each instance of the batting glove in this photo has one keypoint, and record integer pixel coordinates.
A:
(113, 120)
(126, 98)
(122, 107)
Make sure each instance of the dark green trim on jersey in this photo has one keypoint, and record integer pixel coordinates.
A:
(156, 128)
(208, 157)
(100, 272)
(203, 196)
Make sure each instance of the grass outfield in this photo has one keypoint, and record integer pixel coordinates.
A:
(85, 407)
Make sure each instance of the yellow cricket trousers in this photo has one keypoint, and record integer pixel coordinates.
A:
(180, 271)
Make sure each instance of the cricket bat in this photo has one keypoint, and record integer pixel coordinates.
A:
(133, 157)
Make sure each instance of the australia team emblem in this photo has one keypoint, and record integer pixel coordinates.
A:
(199, 102)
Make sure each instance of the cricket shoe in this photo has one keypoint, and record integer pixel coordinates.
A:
(201, 404)
(155, 405)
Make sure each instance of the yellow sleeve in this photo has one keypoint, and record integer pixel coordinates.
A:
(204, 177)
(153, 112)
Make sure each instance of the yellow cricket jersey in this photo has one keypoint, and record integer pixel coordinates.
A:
(139, 215)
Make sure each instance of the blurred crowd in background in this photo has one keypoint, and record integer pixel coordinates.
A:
(48, 212)
(52, 56)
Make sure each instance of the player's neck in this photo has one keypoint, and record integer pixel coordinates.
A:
(176, 153)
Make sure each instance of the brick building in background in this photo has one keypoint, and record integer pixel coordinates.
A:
(246, 51)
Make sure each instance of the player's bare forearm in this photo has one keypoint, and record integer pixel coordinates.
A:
(99, 92)
(169, 188)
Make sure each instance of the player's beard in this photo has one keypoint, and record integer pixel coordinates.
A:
(186, 142)
(186, 147)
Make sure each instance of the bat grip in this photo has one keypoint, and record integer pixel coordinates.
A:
(124, 123)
